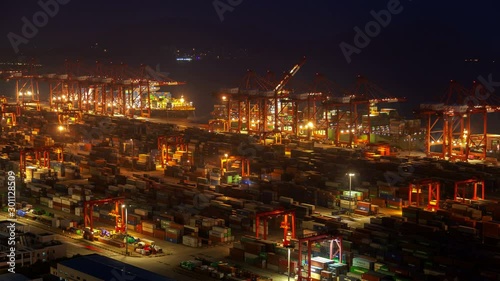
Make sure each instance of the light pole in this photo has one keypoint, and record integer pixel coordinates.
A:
(310, 126)
(350, 190)
(126, 229)
(132, 140)
(409, 146)
(289, 269)
(227, 164)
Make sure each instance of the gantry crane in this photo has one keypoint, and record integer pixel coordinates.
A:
(244, 164)
(10, 111)
(284, 106)
(445, 122)
(259, 107)
(308, 240)
(370, 95)
(353, 110)
(285, 224)
(461, 188)
(165, 142)
(315, 111)
(102, 88)
(416, 188)
(118, 212)
(42, 157)
(27, 91)
(448, 123)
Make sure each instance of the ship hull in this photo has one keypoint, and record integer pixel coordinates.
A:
(178, 114)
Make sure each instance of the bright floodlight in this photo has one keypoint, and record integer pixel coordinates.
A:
(351, 174)
(123, 206)
(310, 125)
(60, 128)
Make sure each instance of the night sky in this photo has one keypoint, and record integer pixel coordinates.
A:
(415, 55)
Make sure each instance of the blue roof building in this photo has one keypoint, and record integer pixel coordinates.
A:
(95, 267)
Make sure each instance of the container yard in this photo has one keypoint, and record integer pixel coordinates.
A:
(299, 206)
(199, 208)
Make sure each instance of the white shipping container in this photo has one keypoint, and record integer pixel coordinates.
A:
(191, 241)
(141, 212)
(50, 204)
(148, 225)
(215, 234)
(362, 262)
(220, 229)
(78, 211)
(287, 200)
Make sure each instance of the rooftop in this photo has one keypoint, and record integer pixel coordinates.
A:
(105, 268)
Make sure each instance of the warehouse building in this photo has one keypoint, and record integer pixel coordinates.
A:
(95, 267)
(30, 247)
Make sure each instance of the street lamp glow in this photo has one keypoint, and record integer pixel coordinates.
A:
(310, 125)
(350, 189)
(60, 128)
(227, 162)
(126, 229)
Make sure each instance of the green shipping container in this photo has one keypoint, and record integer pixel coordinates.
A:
(358, 270)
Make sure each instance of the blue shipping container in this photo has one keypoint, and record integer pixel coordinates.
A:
(21, 213)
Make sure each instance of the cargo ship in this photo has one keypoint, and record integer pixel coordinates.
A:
(164, 105)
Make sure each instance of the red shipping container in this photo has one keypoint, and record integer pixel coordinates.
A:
(159, 233)
(283, 266)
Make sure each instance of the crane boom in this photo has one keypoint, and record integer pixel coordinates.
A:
(289, 75)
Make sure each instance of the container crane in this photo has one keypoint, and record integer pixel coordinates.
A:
(416, 188)
(42, 157)
(88, 207)
(283, 105)
(285, 225)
